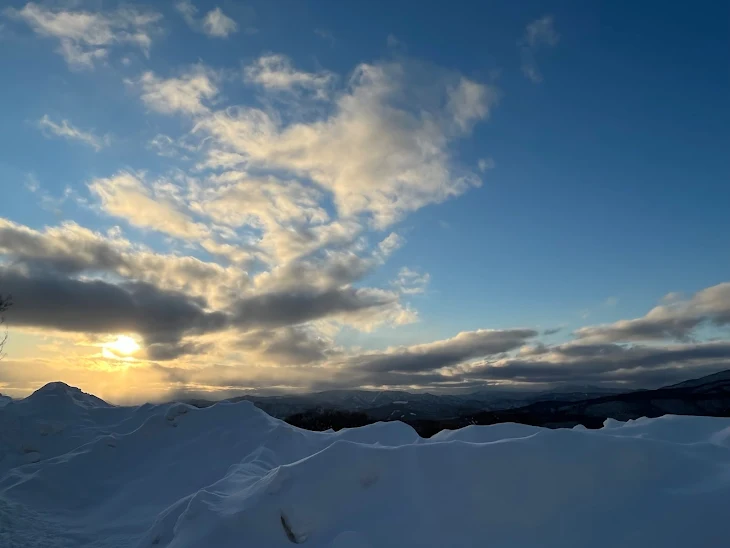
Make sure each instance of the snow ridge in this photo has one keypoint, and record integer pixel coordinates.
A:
(177, 476)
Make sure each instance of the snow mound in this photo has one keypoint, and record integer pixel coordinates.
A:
(178, 476)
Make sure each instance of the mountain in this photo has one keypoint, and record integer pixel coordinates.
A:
(706, 396)
(721, 378)
(396, 404)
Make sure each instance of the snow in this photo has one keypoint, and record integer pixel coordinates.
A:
(75, 471)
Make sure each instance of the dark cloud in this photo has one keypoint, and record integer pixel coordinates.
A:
(675, 321)
(284, 308)
(171, 351)
(288, 345)
(613, 363)
(552, 331)
(97, 306)
(643, 329)
(69, 251)
(465, 346)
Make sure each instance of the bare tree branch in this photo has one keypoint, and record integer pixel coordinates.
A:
(5, 303)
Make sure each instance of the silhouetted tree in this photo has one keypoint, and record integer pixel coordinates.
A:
(5, 303)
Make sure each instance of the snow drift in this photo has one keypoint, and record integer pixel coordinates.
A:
(75, 471)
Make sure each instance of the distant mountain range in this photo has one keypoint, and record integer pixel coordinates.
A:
(565, 407)
(396, 404)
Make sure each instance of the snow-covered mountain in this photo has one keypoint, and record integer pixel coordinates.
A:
(75, 471)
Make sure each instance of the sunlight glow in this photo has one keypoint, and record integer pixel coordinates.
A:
(123, 345)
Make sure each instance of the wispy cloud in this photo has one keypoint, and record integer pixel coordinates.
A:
(86, 38)
(126, 196)
(219, 25)
(185, 94)
(66, 130)
(214, 23)
(539, 34)
(326, 35)
(276, 72)
(411, 282)
(485, 164)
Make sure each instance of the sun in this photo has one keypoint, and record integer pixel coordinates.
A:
(123, 345)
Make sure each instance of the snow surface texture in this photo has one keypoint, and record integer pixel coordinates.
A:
(75, 471)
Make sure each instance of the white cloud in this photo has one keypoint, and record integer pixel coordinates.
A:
(215, 23)
(390, 244)
(219, 25)
(124, 195)
(87, 37)
(382, 151)
(469, 102)
(188, 11)
(276, 72)
(184, 94)
(538, 34)
(485, 164)
(411, 282)
(541, 32)
(66, 130)
(47, 201)
(236, 200)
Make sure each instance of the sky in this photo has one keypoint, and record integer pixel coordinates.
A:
(211, 198)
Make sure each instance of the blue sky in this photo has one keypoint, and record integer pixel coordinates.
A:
(531, 165)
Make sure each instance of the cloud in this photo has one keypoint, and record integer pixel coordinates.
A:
(272, 331)
(303, 291)
(634, 366)
(676, 320)
(172, 351)
(410, 282)
(236, 200)
(467, 345)
(47, 200)
(485, 164)
(66, 130)
(124, 195)
(188, 11)
(167, 147)
(400, 117)
(326, 35)
(288, 346)
(539, 34)
(73, 250)
(68, 304)
(85, 37)
(185, 94)
(469, 102)
(215, 23)
(393, 42)
(276, 72)
(287, 308)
